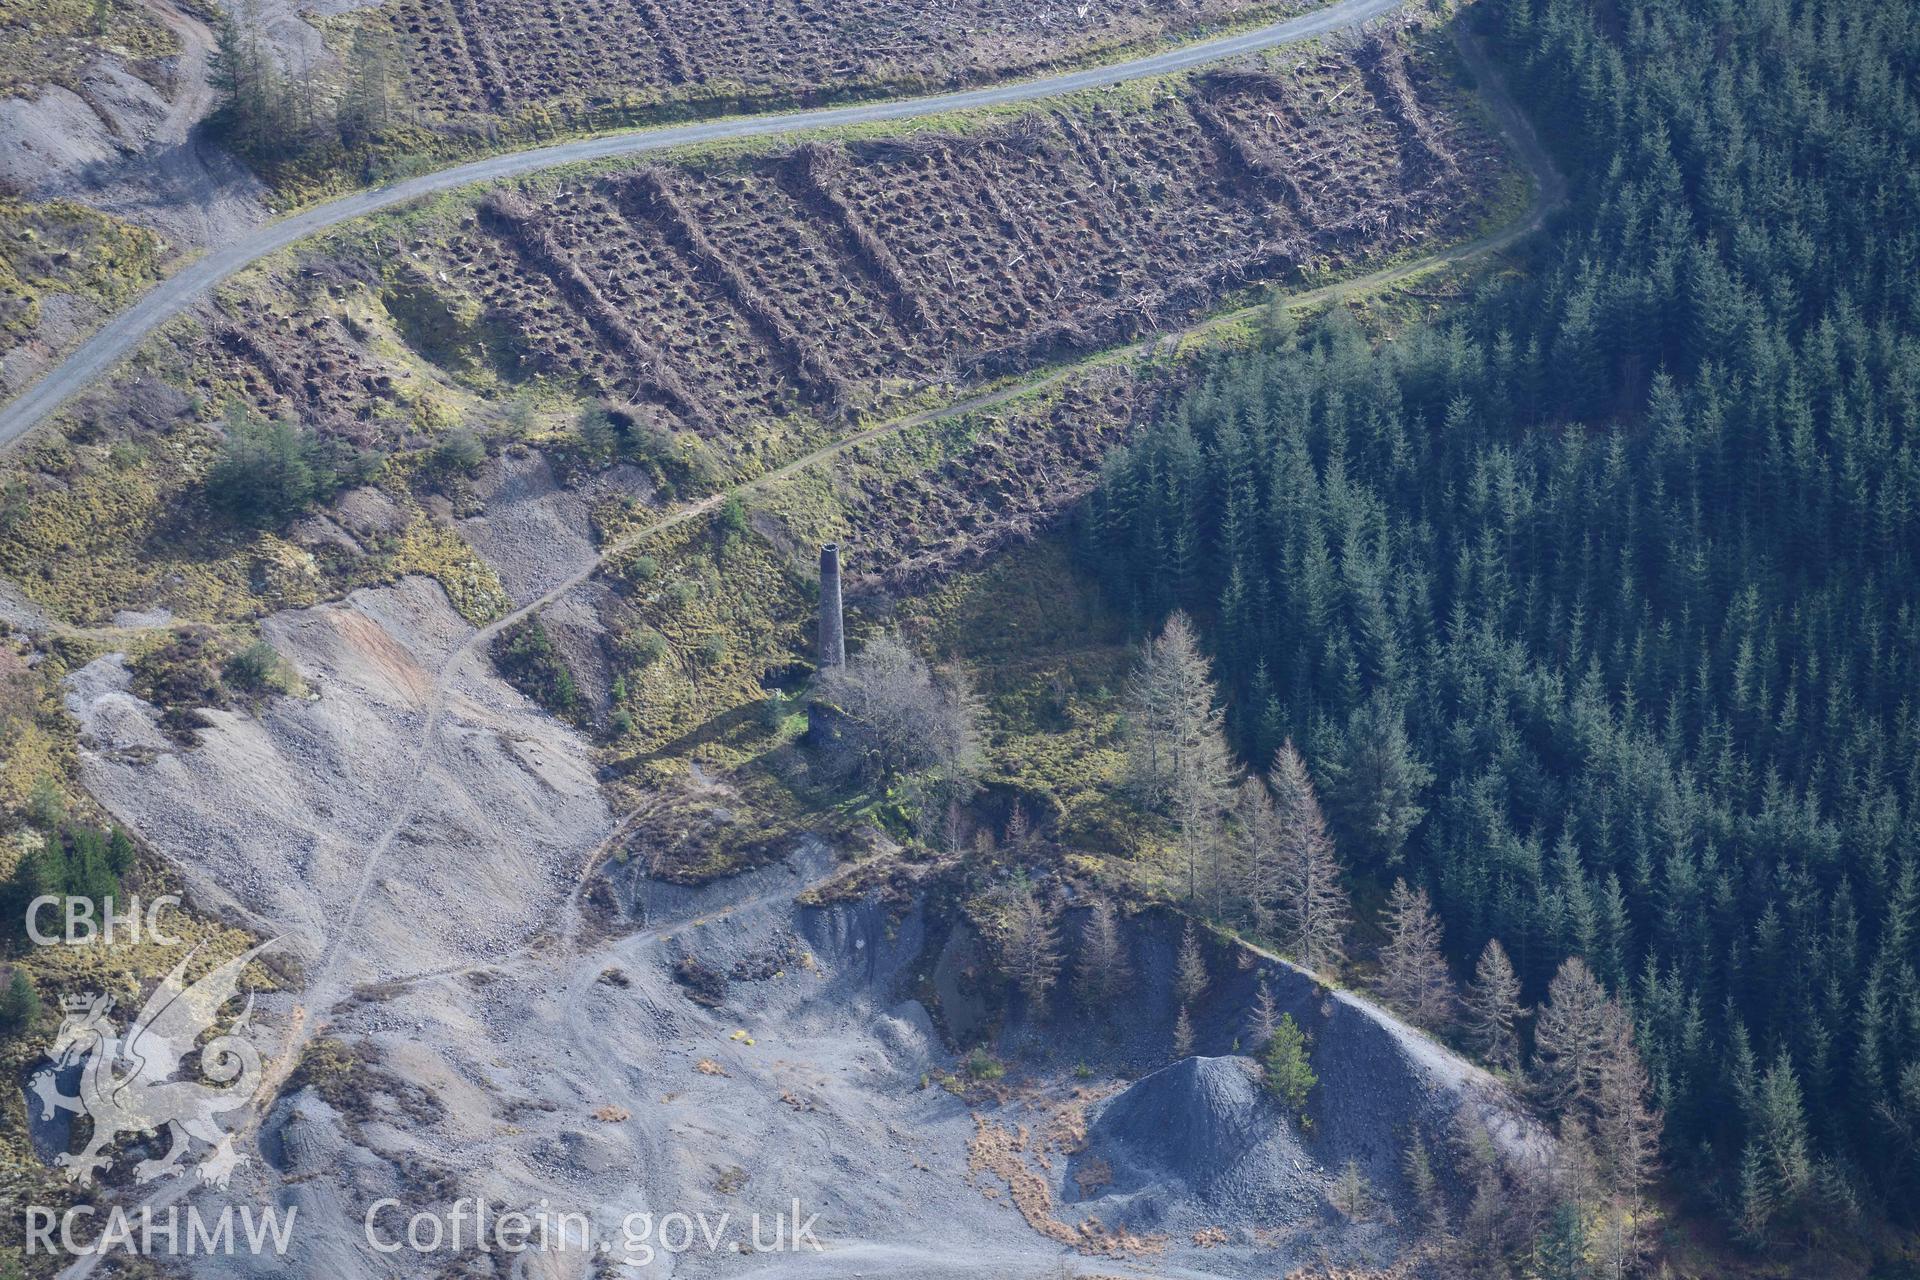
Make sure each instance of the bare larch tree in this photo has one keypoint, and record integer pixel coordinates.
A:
(1177, 757)
(1313, 905)
(1100, 971)
(1414, 977)
(1493, 1008)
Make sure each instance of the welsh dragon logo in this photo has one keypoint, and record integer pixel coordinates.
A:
(129, 1086)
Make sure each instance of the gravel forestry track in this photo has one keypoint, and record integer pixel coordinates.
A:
(172, 296)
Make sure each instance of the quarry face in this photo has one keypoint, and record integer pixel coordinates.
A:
(488, 1039)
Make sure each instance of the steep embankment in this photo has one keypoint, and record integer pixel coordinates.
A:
(703, 1050)
(715, 1049)
(1200, 1143)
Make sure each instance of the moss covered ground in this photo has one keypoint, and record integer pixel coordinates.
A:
(59, 247)
(51, 42)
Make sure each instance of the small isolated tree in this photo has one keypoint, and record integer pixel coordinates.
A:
(258, 668)
(1374, 783)
(268, 471)
(1031, 953)
(46, 806)
(521, 415)
(1289, 1075)
(1100, 971)
(262, 474)
(917, 722)
(19, 1002)
(1264, 1019)
(526, 656)
(1313, 905)
(1189, 968)
(982, 1067)
(1493, 1008)
(730, 525)
(595, 436)
(460, 452)
(1571, 1038)
(1351, 1196)
(1417, 1166)
(1182, 1035)
(1415, 978)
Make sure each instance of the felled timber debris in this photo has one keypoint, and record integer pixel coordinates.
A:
(511, 216)
(648, 195)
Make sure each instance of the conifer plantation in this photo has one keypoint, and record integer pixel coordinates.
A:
(1593, 605)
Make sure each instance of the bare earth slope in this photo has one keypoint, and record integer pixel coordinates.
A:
(578, 1072)
(122, 136)
(281, 809)
(505, 1051)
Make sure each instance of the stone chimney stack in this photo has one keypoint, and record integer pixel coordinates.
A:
(833, 629)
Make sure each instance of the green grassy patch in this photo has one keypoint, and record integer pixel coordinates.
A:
(60, 247)
(1049, 657)
(703, 617)
(96, 534)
